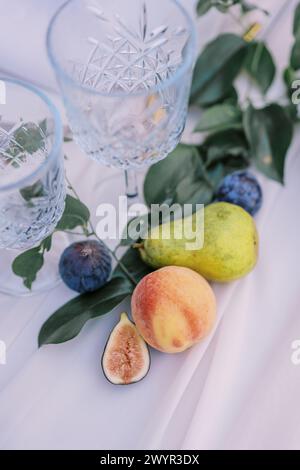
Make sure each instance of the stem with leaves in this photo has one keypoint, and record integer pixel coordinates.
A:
(93, 232)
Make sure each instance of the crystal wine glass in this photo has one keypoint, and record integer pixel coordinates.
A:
(124, 69)
(32, 189)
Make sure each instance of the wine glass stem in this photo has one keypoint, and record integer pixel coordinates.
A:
(132, 192)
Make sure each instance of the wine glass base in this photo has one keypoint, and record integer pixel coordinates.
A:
(47, 278)
(111, 191)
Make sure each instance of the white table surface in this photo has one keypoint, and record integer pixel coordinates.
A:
(237, 389)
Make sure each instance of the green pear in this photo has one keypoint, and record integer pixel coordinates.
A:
(229, 251)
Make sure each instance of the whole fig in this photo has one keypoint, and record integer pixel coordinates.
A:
(85, 266)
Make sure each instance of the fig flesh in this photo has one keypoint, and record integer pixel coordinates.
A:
(126, 357)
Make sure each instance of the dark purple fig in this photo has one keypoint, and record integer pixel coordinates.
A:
(85, 266)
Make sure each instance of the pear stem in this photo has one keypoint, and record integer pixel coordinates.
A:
(138, 245)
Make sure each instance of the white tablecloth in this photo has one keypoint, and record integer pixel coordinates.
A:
(237, 389)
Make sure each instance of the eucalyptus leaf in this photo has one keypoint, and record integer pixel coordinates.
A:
(260, 65)
(68, 321)
(269, 131)
(27, 265)
(75, 214)
(216, 68)
(220, 117)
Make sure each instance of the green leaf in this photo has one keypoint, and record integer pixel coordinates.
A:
(220, 87)
(134, 264)
(224, 5)
(200, 191)
(46, 244)
(260, 65)
(126, 239)
(203, 6)
(140, 224)
(247, 7)
(75, 214)
(30, 262)
(221, 146)
(292, 112)
(68, 321)
(296, 26)
(27, 265)
(220, 117)
(29, 137)
(163, 177)
(178, 178)
(216, 68)
(231, 97)
(289, 76)
(269, 131)
(43, 126)
(34, 191)
(295, 55)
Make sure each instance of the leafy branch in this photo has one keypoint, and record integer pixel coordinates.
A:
(224, 6)
(237, 134)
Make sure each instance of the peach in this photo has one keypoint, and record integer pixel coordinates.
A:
(173, 308)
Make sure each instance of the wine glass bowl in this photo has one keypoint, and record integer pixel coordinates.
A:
(32, 189)
(125, 74)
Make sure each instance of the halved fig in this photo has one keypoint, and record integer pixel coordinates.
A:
(126, 357)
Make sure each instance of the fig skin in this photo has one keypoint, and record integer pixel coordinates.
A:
(85, 266)
(144, 352)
